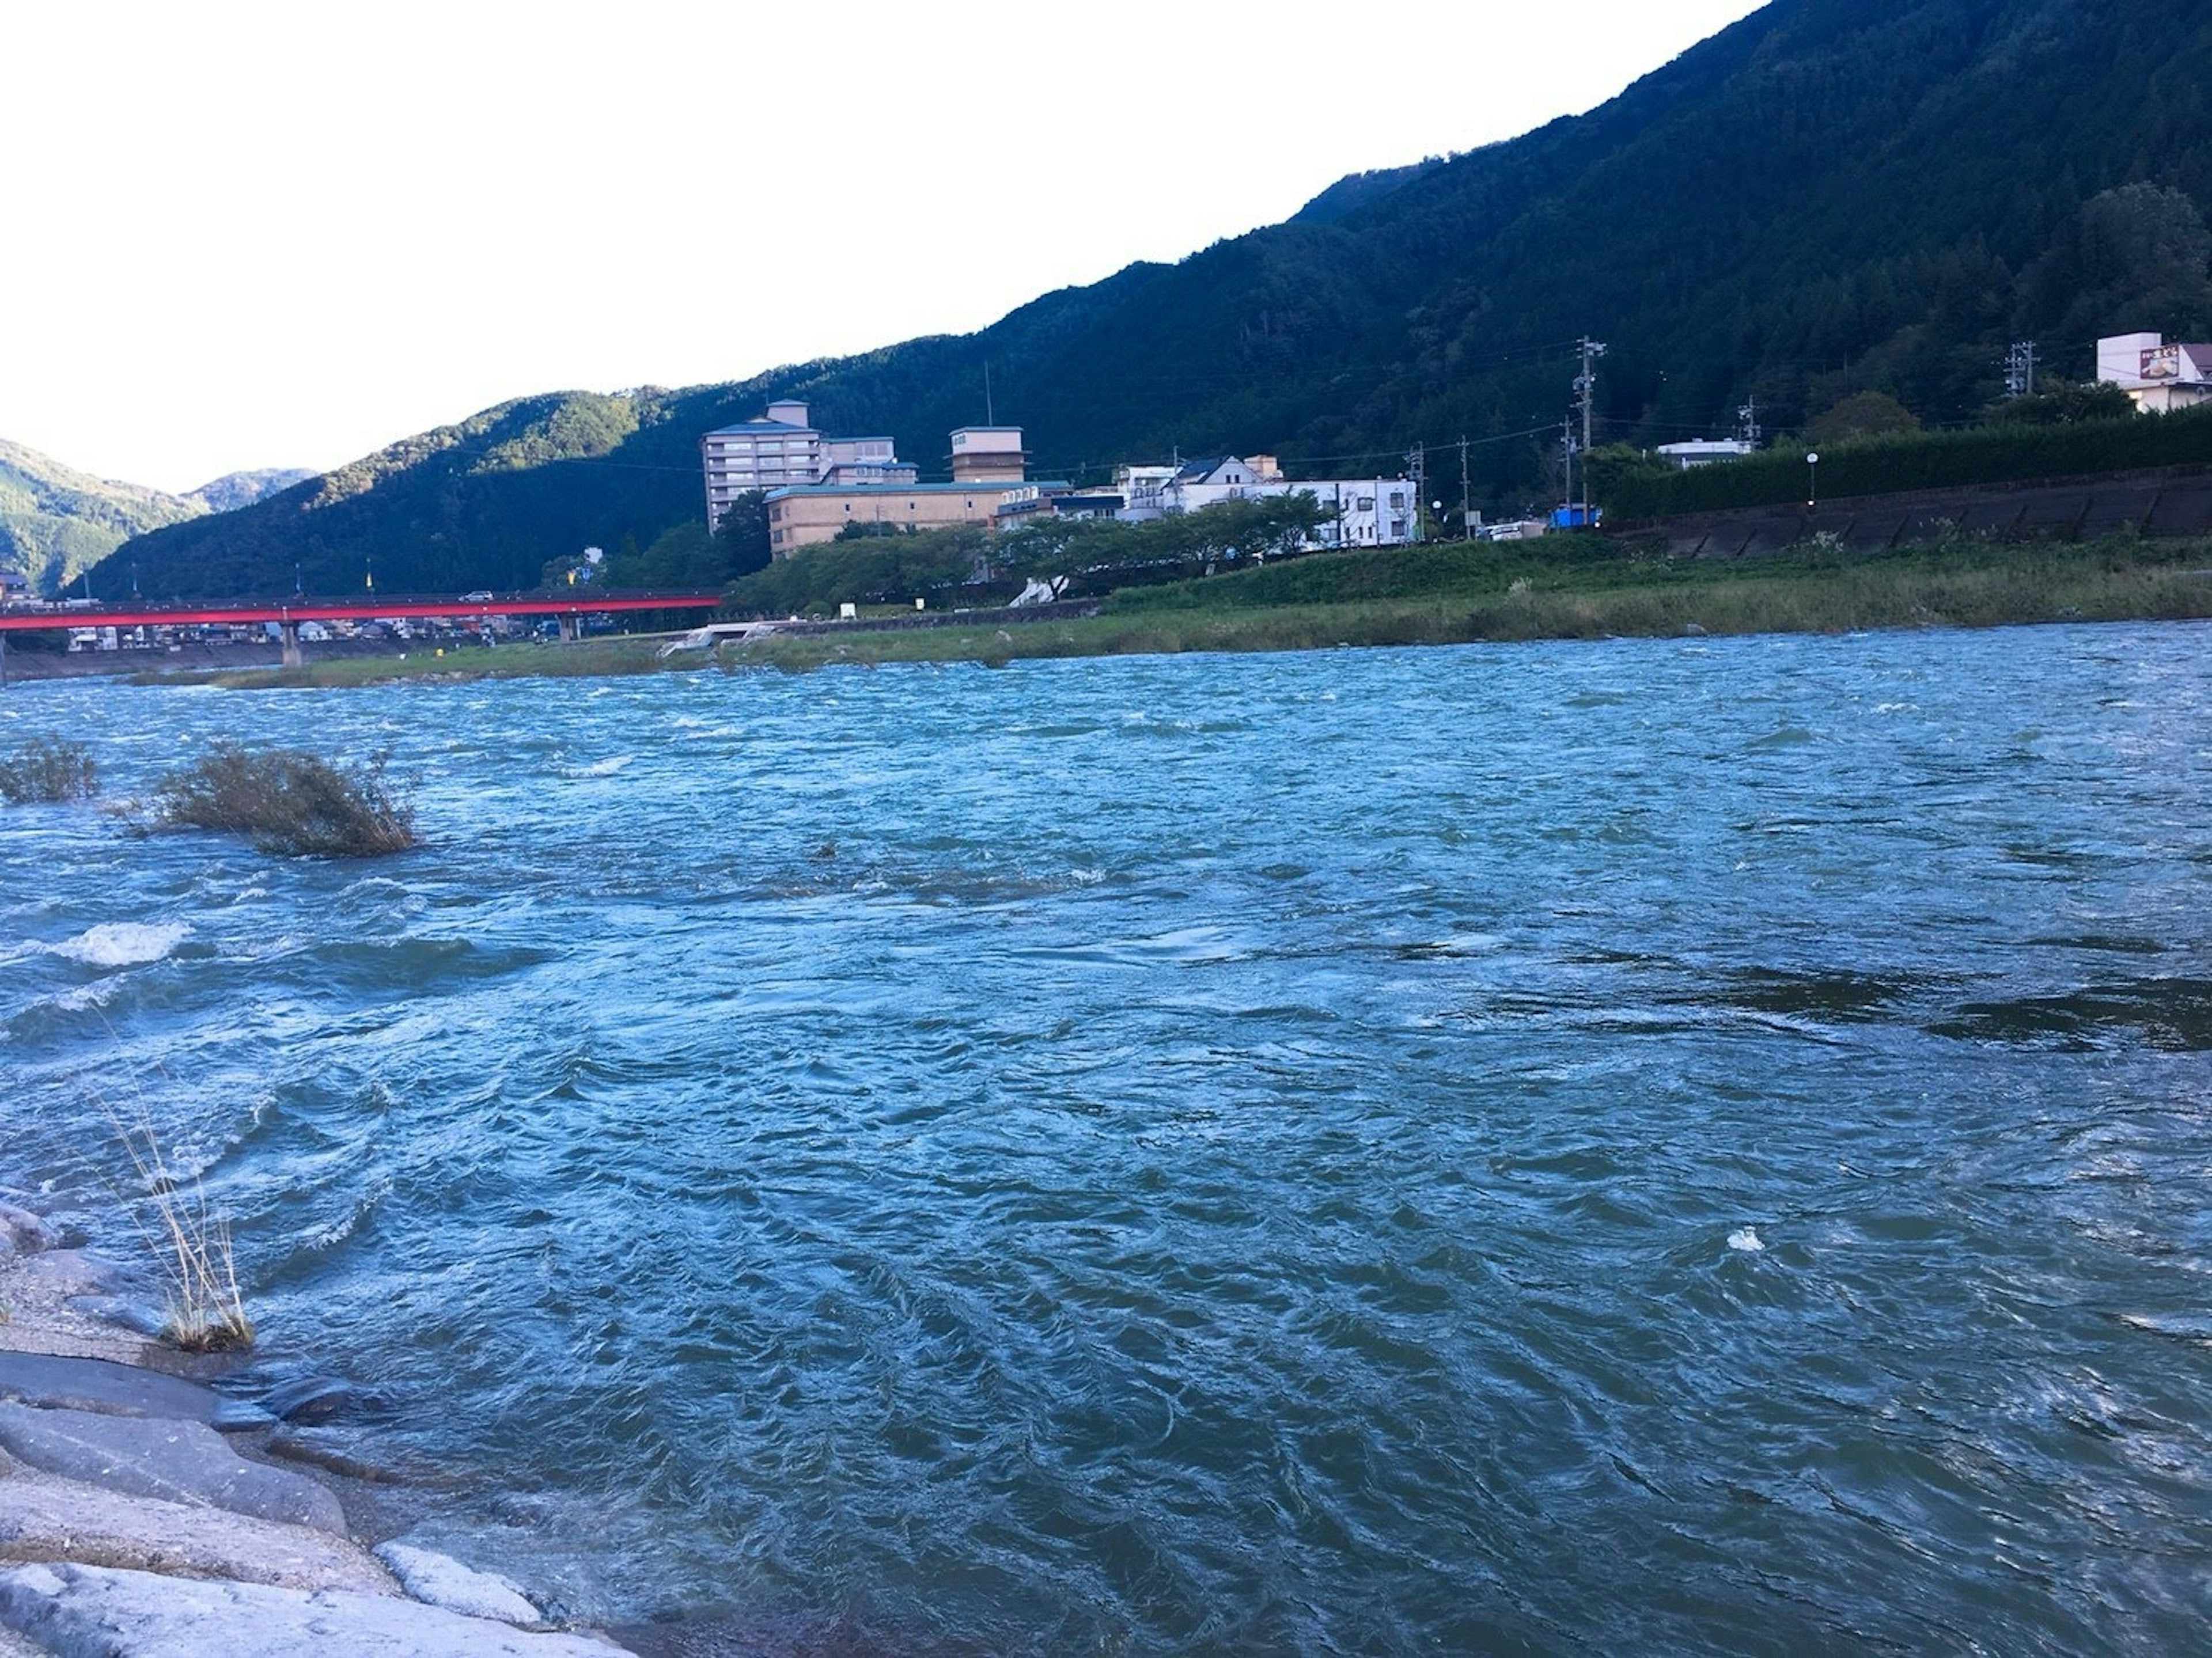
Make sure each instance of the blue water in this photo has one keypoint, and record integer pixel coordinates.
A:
(1641, 1146)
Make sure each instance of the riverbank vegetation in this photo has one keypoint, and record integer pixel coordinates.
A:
(971, 566)
(1444, 592)
(1562, 588)
(48, 769)
(289, 802)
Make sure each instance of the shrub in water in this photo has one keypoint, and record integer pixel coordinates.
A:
(48, 769)
(288, 801)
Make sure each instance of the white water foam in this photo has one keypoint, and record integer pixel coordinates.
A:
(606, 768)
(123, 944)
(1747, 1239)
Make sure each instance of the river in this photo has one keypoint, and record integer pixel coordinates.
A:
(1655, 1146)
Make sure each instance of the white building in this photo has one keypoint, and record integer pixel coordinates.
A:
(2158, 376)
(782, 450)
(1703, 451)
(1362, 511)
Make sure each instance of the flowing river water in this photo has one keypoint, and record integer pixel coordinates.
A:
(1643, 1146)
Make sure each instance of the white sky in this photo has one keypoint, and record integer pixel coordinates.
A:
(285, 234)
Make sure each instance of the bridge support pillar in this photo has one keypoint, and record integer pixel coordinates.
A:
(571, 629)
(290, 632)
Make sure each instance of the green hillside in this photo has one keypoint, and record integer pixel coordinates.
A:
(1831, 196)
(56, 522)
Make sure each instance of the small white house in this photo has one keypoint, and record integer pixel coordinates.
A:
(1362, 511)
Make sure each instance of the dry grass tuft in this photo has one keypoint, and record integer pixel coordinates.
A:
(206, 1310)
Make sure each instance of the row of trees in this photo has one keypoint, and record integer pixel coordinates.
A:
(972, 564)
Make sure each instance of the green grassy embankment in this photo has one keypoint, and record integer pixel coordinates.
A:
(1570, 588)
(1451, 593)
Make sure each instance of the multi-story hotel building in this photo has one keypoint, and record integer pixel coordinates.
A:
(781, 449)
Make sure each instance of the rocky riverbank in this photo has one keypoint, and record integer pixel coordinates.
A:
(144, 1512)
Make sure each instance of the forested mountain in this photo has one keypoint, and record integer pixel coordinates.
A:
(235, 489)
(1831, 196)
(57, 522)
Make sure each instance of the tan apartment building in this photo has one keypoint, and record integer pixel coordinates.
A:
(989, 463)
(806, 514)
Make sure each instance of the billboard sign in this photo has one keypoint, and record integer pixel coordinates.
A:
(2161, 363)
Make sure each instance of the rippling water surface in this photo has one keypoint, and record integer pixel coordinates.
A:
(1624, 1147)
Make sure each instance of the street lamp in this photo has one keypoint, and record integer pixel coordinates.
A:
(1812, 489)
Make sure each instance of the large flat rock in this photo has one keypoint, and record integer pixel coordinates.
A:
(43, 1518)
(95, 1612)
(442, 1581)
(185, 1462)
(97, 1385)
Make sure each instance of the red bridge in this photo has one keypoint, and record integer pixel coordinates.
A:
(570, 607)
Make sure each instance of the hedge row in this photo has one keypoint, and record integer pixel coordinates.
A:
(1920, 461)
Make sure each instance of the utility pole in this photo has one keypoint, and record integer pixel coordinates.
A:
(1746, 422)
(1466, 499)
(2020, 369)
(1417, 469)
(1585, 398)
(1567, 451)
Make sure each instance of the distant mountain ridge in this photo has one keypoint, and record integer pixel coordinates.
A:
(235, 489)
(57, 522)
(1826, 198)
